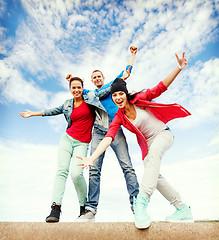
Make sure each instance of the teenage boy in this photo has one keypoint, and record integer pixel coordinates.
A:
(105, 113)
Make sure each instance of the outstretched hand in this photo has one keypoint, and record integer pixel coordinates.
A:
(133, 49)
(86, 162)
(182, 61)
(26, 114)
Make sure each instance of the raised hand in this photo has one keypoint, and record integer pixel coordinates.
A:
(86, 162)
(182, 61)
(133, 49)
(68, 77)
(126, 74)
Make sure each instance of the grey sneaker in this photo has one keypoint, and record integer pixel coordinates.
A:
(87, 216)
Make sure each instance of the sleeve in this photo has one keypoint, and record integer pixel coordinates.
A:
(85, 91)
(152, 93)
(53, 111)
(127, 67)
(103, 93)
(114, 127)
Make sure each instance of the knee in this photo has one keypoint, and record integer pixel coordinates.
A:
(152, 159)
(76, 176)
(127, 169)
(62, 173)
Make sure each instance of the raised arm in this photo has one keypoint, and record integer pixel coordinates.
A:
(29, 113)
(133, 51)
(102, 146)
(170, 77)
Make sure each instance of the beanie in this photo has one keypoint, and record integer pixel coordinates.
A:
(119, 85)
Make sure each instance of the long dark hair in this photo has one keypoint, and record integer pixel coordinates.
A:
(131, 96)
(76, 79)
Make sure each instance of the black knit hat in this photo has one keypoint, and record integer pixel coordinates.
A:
(119, 85)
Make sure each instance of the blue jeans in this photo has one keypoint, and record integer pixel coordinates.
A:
(120, 147)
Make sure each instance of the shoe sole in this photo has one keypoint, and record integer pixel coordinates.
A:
(143, 225)
(179, 221)
(84, 220)
(52, 219)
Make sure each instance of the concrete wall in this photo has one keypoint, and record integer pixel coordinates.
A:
(108, 231)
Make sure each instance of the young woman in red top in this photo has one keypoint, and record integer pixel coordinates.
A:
(75, 141)
(148, 121)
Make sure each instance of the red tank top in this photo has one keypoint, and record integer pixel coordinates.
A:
(82, 122)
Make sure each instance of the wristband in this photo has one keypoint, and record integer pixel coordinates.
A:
(179, 67)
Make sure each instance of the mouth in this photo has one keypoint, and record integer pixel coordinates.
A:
(119, 103)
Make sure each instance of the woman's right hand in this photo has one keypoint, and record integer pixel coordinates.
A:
(126, 74)
(182, 61)
(26, 114)
(86, 162)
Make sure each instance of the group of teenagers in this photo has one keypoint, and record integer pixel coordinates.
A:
(96, 116)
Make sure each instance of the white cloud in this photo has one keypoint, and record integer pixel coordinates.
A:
(57, 39)
(214, 141)
(198, 92)
(48, 48)
(14, 88)
(29, 171)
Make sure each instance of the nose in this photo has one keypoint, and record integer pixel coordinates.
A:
(118, 98)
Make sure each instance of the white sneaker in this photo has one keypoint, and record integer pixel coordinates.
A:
(181, 215)
(88, 216)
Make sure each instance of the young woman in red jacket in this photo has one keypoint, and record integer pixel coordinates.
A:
(148, 121)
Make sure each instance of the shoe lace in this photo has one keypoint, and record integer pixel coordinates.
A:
(141, 206)
(177, 212)
(87, 211)
(55, 207)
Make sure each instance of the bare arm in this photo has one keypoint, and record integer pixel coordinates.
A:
(133, 51)
(29, 113)
(102, 146)
(171, 77)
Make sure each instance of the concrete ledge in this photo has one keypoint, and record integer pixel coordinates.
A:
(108, 231)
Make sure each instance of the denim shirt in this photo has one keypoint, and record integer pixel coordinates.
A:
(91, 97)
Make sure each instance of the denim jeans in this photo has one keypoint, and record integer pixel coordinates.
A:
(152, 179)
(69, 148)
(120, 147)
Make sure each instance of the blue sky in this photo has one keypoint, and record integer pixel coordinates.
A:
(43, 41)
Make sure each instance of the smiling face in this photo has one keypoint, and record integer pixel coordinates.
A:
(76, 89)
(120, 99)
(98, 79)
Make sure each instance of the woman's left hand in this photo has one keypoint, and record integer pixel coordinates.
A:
(182, 61)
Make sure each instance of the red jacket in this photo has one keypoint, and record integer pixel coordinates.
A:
(164, 112)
